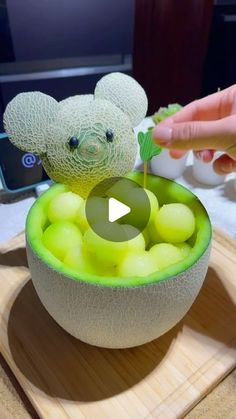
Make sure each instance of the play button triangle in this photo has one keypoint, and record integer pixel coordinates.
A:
(116, 209)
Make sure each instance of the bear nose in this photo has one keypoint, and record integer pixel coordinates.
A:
(92, 149)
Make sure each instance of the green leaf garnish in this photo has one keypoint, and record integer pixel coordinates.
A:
(147, 147)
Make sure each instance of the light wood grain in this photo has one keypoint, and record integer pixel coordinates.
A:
(65, 378)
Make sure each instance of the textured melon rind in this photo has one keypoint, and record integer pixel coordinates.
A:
(167, 190)
(27, 118)
(115, 317)
(126, 93)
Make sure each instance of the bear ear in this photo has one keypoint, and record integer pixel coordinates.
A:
(126, 93)
(26, 120)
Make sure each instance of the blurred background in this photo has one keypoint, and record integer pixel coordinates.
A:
(62, 47)
(178, 50)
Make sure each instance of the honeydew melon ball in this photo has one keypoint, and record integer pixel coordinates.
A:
(64, 207)
(106, 251)
(108, 271)
(77, 258)
(137, 243)
(185, 248)
(141, 205)
(152, 233)
(175, 223)
(84, 261)
(100, 213)
(121, 189)
(165, 254)
(81, 219)
(146, 236)
(98, 209)
(102, 268)
(153, 204)
(59, 237)
(137, 264)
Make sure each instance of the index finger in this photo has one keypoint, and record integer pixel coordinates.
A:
(212, 107)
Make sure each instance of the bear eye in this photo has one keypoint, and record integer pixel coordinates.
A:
(73, 143)
(109, 136)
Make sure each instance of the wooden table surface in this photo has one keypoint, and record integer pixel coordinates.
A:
(198, 353)
(219, 403)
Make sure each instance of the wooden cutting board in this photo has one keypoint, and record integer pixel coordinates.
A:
(65, 378)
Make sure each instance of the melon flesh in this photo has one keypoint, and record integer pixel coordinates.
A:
(107, 256)
(60, 237)
(70, 238)
(175, 223)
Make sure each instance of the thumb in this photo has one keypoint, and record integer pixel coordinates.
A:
(198, 135)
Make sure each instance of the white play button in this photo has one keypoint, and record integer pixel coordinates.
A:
(115, 202)
(116, 209)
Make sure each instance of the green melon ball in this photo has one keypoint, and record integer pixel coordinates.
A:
(100, 213)
(60, 237)
(165, 254)
(103, 269)
(137, 264)
(108, 271)
(135, 198)
(121, 189)
(146, 236)
(64, 207)
(77, 258)
(175, 223)
(185, 248)
(106, 251)
(137, 243)
(153, 204)
(83, 261)
(81, 219)
(98, 209)
(152, 233)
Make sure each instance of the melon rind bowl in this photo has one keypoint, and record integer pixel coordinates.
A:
(116, 312)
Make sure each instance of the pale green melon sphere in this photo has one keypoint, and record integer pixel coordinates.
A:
(137, 264)
(153, 204)
(152, 233)
(107, 271)
(103, 268)
(146, 236)
(98, 209)
(185, 248)
(165, 254)
(77, 258)
(175, 223)
(107, 251)
(81, 219)
(137, 243)
(60, 237)
(100, 212)
(64, 207)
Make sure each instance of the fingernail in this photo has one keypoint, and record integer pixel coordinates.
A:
(162, 134)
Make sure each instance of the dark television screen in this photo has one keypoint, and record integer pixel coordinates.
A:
(62, 48)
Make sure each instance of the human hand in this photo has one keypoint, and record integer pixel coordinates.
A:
(208, 124)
